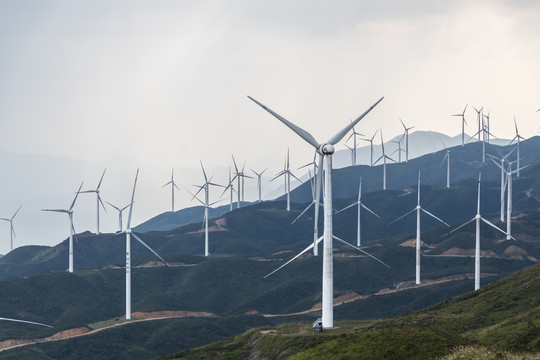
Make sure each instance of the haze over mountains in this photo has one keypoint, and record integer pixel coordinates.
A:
(43, 181)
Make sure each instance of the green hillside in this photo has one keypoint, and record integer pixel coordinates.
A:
(502, 319)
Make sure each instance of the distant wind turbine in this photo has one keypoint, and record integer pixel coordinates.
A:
(418, 209)
(359, 205)
(447, 158)
(477, 219)
(371, 146)
(479, 119)
(69, 211)
(120, 210)
(206, 204)
(259, 182)
(98, 198)
(325, 151)
(384, 157)
(398, 150)
(353, 135)
(518, 138)
(129, 233)
(406, 134)
(173, 186)
(487, 126)
(230, 186)
(286, 172)
(240, 176)
(12, 230)
(463, 123)
(503, 177)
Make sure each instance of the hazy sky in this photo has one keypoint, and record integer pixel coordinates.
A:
(162, 83)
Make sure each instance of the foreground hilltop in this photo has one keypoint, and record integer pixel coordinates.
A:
(500, 321)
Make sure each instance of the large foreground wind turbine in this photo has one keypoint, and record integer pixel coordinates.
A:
(119, 214)
(359, 205)
(173, 186)
(129, 233)
(418, 209)
(384, 157)
(11, 230)
(71, 227)
(325, 151)
(98, 200)
(463, 123)
(477, 218)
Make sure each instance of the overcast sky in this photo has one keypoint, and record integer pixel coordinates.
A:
(164, 83)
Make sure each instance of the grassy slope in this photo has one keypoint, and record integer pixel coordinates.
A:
(502, 316)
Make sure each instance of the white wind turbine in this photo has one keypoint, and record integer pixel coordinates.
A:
(259, 182)
(120, 210)
(353, 135)
(240, 176)
(518, 138)
(325, 151)
(71, 227)
(24, 321)
(418, 210)
(384, 157)
(359, 205)
(503, 178)
(484, 132)
(447, 158)
(487, 126)
(286, 172)
(129, 233)
(371, 146)
(477, 219)
(406, 134)
(206, 204)
(463, 123)
(398, 150)
(508, 182)
(479, 120)
(11, 230)
(173, 186)
(98, 198)
(230, 187)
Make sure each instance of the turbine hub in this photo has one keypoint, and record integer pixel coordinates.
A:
(128, 231)
(327, 149)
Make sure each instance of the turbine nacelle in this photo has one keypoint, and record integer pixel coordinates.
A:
(326, 149)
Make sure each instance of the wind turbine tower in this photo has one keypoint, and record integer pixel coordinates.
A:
(11, 229)
(406, 134)
(371, 146)
(173, 186)
(98, 199)
(259, 182)
(353, 135)
(479, 119)
(447, 158)
(325, 151)
(384, 157)
(418, 210)
(286, 172)
(69, 211)
(518, 138)
(463, 123)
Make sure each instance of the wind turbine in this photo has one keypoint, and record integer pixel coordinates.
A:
(371, 146)
(418, 210)
(287, 174)
(384, 157)
(24, 321)
(129, 233)
(447, 158)
(477, 219)
(508, 174)
(259, 182)
(325, 151)
(206, 204)
(230, 187)
(479, 119)
(485, 132)
(71, 228)
(240, 176)
(173, 186)
(119, 214)
(98, 198)
(406, 134)
(518, 138)
(12, 231)
(503, 178)
(398, 150)
(353, 154)
(487, 125)
(353, 135)
(463, 123)
(359, 205)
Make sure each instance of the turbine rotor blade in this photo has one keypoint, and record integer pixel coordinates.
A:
(497, 228)
(299, 254)
(402, 216)
(302, 213)
(24, 321)
(433, 216)
(368, 209)
(76, 195)
(357, 248)
(149, 248)
(348, 207)
(132, 199)
(459, 227)
(16, 212)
